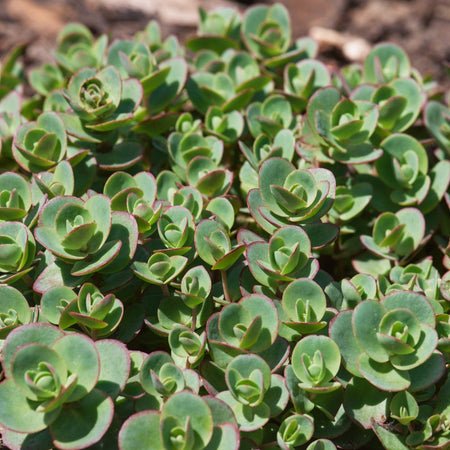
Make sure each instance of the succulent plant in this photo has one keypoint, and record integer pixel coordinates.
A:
(17, 251)
(266, 31)
(389, 341)
(77, 48)
(51, 377)
(83, 233)
(15, 196)
(101, 101)
(42, 144)
(14, 310)
(224, 244)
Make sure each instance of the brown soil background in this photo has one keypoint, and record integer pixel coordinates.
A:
(421, 27)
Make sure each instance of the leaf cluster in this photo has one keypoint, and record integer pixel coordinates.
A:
(224, 244)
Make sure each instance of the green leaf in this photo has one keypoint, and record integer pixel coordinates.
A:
(83, 361)
(249, 418)
(184, 406)
(366, 320)
(388, 438)
(364, 402)
(384, 62)
(98, 260)
(428, 373)
(30, 360)
(84, 423)
(41, 440)
(114, 366)
(19, 414)
(277, 396)
(341, 332)
(295, 430)
(383, 375)
(404, 407)
(316, 360)
(141, 430)
(422, 350)
(39, 333)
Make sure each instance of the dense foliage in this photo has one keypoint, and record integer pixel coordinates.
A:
(224, 245)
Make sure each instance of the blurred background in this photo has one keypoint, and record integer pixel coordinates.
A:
(421, 27)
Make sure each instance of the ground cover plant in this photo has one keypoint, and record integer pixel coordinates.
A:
(224, 244)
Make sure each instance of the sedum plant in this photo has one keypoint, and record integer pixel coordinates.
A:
(51, 380)
(222, 244)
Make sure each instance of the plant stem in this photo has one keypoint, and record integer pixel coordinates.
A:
(28, 280)
(194, 319)
(226, 290)
(165, 290)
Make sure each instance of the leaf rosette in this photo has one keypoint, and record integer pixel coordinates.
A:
(60, 181)
(226, 126)
(315, 361)
(183, 148)
(404, 407)
(208, 178)
(195, 286)
(302, 80)
(15, 196)
(421, 277)
(294, 431)
(270, 116)
(220, 22)
(160, 268)
(186, 421)
(135, 195)
(77, 48)
(344, 126)
(285, 257)
(254, 394)
(176, 228)
(266, 31)
(246, 74)
(97, 314)
(50, 375)
(304, 303)
(404, 170)
(287, 195)
(399, 103)
(17, 251)
(218, 30)
(101, 100)
(86, 233)
(134, 60)
(42, 144)
(214, 245)
(187, 347)
(251, 325)
(264, 147)
(14, 310)
(396, 235)
(207, 89)
(190, 198)
(161, 377)
(356, 289)
(386, 62)
(389, 342)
